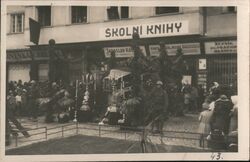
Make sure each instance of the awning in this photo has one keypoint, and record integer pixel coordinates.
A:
(116, 74)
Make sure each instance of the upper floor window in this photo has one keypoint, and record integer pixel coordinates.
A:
(44, 15)
(78, 14)
(229, 9)
(115, 12)
(166, 10)
(17, 23)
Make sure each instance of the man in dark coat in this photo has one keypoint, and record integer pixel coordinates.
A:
(221, 115)
(159, 106)
(32, 104)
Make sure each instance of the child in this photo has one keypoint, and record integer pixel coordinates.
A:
(18, 104)
(204, 119)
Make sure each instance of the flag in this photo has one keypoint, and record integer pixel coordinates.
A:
(35, 28)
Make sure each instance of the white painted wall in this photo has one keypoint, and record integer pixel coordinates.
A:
(90, 32)
(141, 12)
(97, 14)
(64, 32)
(222, 25)
(59, 15)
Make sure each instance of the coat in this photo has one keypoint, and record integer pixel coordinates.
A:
(205, 118)
(221, 116)
(234, 120)
(159, 99)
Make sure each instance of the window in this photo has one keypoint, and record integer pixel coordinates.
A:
(17, 23)
(166, 10)
(78, 14)
(124, 12)
(44, 15)
(230, 9)
(115, 13)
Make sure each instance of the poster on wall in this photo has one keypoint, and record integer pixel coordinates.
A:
(186, 79)
(202, 79)
(202, 64)
(187, 49)
(122, 52)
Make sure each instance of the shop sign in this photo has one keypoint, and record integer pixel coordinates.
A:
(220, 47)
(159, 29)
(13, 56)
(18, 56)
(121, 52)
(202, 79)
(187, 49)
(202, 64)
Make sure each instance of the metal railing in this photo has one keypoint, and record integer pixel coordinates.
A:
(192, 139)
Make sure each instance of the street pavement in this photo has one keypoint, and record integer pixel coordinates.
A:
(188, 123)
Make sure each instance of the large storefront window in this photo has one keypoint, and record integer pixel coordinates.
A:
(222, 69)
(19, 72)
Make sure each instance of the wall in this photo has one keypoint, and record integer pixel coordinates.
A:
(141, 12)
(97, 14)
(90, 32)
(227, 22)
(64, 32)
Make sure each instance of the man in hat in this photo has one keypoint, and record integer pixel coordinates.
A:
(159, 106)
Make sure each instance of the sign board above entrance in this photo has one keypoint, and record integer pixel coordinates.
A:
(220, 47)
(159, 29)
(122, 51)
(187, 49)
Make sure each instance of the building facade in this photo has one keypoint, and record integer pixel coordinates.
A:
(207, 36)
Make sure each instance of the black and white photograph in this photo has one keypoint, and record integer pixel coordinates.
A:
(129, 80)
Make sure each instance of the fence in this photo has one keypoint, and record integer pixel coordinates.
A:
(167, 137)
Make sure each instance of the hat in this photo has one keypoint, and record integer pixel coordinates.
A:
(54, 84)
(159, 83)
(216, 84)
(223, 97)
(32, 81)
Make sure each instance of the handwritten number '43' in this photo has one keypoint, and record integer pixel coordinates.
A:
(216, 156)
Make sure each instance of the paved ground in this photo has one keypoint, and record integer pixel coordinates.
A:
(189, 123)
(80, 144)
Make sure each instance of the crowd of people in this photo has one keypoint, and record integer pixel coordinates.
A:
(158, 91)
(219, 118)
(218, 106)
